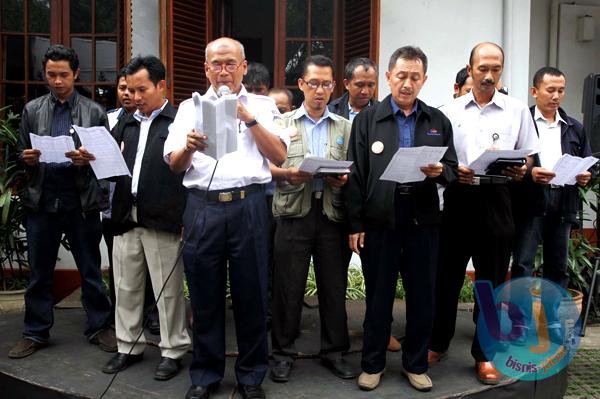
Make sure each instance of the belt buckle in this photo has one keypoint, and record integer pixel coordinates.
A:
(318, 194)
(242, 194)
(476, 181)
(226, 196)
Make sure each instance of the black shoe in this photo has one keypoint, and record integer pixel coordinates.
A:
(281, 370)
(339, 367)
(251, 391)
(120, 362)
(198, 392)
(167, 368)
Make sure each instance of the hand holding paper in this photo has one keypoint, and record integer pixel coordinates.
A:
(568, 167)
(108, 160)
(52, 149)
(414, 164)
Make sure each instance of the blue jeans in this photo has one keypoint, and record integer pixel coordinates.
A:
(44, 231)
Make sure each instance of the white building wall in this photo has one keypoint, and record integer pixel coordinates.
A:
(145, 25)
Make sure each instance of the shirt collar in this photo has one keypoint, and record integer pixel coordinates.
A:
(140, 117)
(396, 108)
(497, 100)
(303, 112)
(537, 115)
(70, 100)
(212, 94)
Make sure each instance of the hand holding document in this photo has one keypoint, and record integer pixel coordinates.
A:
(568, 167)
(218, 121)
(324, 166)
(109, 159)
(405, 166)
(52, 149)
(481, 164)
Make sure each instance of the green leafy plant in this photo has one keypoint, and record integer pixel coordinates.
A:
(13, 245)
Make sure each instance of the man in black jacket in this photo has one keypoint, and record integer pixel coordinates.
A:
(148, 208)
(393, 226)
(360, 81)
(62, 198)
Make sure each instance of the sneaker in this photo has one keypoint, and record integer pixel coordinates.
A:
(105, 339)
(421, 382)
(24, 348)
(368, 382)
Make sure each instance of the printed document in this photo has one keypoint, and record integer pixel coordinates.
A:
(109, 159)
(324, 166)
(568, 167)
(481, 164)
(218, 121)
(53, 149)
(405, 166)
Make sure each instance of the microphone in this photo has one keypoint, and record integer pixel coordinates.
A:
(223, 91)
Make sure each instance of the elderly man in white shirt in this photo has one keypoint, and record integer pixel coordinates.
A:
(477, 221)
(225, 226)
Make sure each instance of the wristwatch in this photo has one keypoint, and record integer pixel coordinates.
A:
(251, 123)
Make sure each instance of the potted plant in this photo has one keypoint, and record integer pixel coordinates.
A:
(13, 245)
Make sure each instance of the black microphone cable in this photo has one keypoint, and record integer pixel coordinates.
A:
(179, 254)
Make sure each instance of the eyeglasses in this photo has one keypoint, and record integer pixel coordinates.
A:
(314, 84)
(229, 67)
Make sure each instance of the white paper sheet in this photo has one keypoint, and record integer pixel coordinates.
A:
(315, 165)
(568, 167)
(109, 159)
(218, 121)
(406, 163)
(488, 157)
(52, 149)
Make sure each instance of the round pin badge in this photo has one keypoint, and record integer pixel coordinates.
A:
(339, 140)
(377, 147)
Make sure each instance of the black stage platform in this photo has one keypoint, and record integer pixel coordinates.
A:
(70, 367)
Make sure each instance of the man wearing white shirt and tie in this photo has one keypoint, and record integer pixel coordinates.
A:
(477, 220)
(225, 225)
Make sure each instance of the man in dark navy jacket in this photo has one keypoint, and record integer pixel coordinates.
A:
(396, 227)
(148, 208)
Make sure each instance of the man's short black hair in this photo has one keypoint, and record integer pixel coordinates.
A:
(257, 75)
(461, 77)
(121, 74)
(285, 91)
(355, 63)
(472, 55)
(58, 52)
(408, 53)
(155, 68)
(318, 60)
(539, 75)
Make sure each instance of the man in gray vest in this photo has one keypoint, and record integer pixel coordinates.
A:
(310, 222)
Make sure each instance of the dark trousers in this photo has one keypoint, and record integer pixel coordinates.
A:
(296, 239)
(108, 232)
(219, 236)
(412, 250)
(477, 223)
(44, 231)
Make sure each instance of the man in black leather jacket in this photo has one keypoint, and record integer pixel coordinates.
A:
(62, 198)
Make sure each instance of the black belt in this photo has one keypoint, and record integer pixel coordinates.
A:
(228, 194)
(403, 189)
(492, 179)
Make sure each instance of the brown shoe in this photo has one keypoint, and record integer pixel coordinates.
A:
(394, 345)
(105, 339)
(435, 357)
(487, 373)
(24, 348)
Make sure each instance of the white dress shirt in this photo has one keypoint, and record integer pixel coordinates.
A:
(505, 123)
(550, 138)
(236, 169)
(145, 123)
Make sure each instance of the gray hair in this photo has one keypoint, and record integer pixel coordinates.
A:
(243, 52)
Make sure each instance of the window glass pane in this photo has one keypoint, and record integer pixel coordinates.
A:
(83, 48)
(14, 57)
(295, 18)
(85, 90)
(37, 48)
(321, 18)
(106, 16)
(15, 97)
(36, 91)
(81, 16)
(322, 48)
(295, 54)
(39, 16)
(106, 60)
(13, 15)
(106, 96)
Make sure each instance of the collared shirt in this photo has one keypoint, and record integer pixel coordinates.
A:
(406, 124)
(114, 116)
(236, 169)
(504, 123)
(145, 123)
(550, 138)
(352, 114)
(316, 137)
